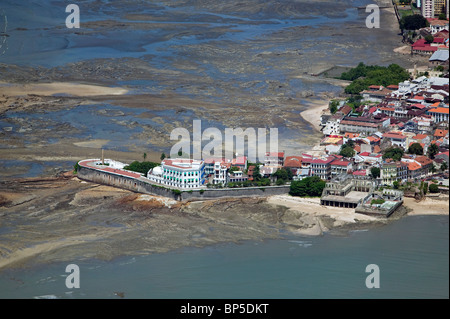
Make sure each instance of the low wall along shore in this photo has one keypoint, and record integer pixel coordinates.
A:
(140, 185)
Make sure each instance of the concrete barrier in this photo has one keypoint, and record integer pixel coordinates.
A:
(140, 185)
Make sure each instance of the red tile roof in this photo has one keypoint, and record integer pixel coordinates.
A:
(424, 160)
(396, 135)
(413, 166)
(420, 136)
(340, 163)
(443, 110)
(293, 161)
(275, 154)
(440, 133)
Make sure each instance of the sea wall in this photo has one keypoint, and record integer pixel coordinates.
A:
(142, 186)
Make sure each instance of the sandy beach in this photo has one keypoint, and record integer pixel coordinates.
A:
(428, 206)
(314, 112)
(66, 88)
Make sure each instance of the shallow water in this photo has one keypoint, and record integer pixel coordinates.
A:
(412, 255)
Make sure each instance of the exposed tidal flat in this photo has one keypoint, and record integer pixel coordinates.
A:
(132, 73)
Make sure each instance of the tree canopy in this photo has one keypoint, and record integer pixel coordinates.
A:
(413, 22)
(415, 148)
(375, 172)
(141, 167)
(365, 75)
(395, 153)
(347, 151)
(433, 149)
(309, 186)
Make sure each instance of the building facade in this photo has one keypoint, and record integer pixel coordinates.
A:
(181, 173)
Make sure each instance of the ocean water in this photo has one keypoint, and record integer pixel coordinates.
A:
(412, 255)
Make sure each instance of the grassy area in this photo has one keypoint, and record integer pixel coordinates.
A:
(404, 13)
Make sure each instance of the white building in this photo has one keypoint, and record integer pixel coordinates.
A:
(220, 173)
(179, 172)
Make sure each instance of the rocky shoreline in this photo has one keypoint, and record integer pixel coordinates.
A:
(56, 219)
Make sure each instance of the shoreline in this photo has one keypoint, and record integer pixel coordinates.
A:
(216, 221)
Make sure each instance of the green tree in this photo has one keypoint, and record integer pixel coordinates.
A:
(365, 75)
(309, 186)
(413, 22)
(429, 38)
(180, 153)
(395, 153)
(415, 148)
(442, 16)
(433, 188)
(347, 151)
(145, 156)
(375, 172)
(444, 166)
(163, 156)
(333, 106)
(396, 184)
(425, 188)
(433, 149)
(141, 167)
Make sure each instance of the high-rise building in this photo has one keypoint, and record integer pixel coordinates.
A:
(440, 6)
(427, 8)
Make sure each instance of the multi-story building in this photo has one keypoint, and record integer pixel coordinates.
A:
(220, 173)
(179, 172)
(339, 167)
(427, 8)
(363, 124)
(322, 167)
(440, 6)
(274, 159)
(439, 114)
(396, 138)
(393, 171)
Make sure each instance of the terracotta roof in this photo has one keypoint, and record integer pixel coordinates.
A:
(275, 154)
(365, 154)
(440, 133)
(293, 161)
(240, 160)
(351, 135)
(396, 135)
(424, 160)
(419, 106)
(373, 139)
(420, 136)
(345, 109)
(442, 110)
(413, 166)
(340, 162)
(360, 173)
(438, 22)
(376, 149)
(320, 161)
